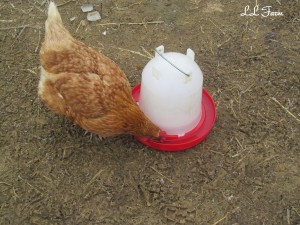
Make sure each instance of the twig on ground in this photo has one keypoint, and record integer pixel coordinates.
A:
(38, 8)
(233, 112)
(237, 140)
(133, 23)
(224, 217)
(66, 3)
(30, 185)
(94, 178)
(1, 182)
(29, 70)
(216, 26)
(43, 2)
(288, 216)
(15, 196)
(285, 109)
(7, 21)
(296, 211)
(201, 29)
(268, 159)
(148, 53)
(126, 7)
(249, 87)
(21, 31)
(17, 27)
(38, 44)
(79, 25)
(133, 52)
(220, 153)
(162, 174)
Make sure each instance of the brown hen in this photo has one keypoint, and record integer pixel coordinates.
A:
(84, 85)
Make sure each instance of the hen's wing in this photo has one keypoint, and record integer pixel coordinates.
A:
(83, 94)
(91, 95)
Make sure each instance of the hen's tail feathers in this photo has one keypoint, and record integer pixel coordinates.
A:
(55, 30)
(53, 14)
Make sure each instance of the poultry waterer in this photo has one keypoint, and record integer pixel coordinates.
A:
(172, 97)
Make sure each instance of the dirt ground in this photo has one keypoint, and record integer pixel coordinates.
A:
(245, 172)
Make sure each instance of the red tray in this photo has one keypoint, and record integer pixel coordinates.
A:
(191, 138)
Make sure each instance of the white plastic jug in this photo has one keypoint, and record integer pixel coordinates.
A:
(171, 91)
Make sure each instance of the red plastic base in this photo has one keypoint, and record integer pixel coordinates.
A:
(191, 138)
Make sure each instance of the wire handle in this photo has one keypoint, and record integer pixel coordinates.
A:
(161, 55)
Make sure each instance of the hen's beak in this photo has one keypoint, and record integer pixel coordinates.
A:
(162, 136)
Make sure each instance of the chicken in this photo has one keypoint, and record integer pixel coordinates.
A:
(81, 83)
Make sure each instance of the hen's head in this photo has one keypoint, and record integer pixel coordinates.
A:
(136, 123)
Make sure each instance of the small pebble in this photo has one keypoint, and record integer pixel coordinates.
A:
(182, 221)
(104, 33)
(93, 16)
(87, 8)
(73, 18)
